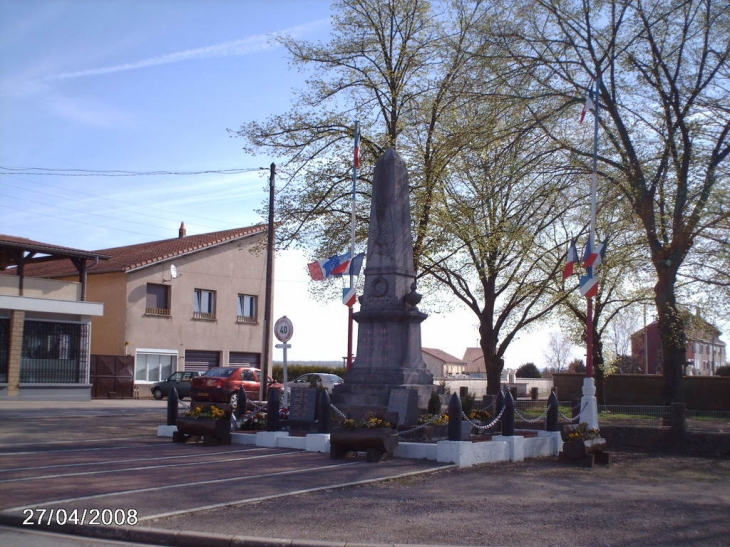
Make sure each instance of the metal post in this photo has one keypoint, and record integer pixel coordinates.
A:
(265, 353)
(272, 410)
(508, 418)
(323, 424)
(551, 423)
(454, 428)
(172, 400)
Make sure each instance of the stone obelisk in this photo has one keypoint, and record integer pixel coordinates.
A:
(389, 323)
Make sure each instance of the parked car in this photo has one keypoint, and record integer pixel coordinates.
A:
(317, 379)
(179, 380)
(221, 385)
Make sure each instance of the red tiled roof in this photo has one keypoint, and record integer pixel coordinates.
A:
(443, 356)
(22, 243)
(474, 358)
(132, 257)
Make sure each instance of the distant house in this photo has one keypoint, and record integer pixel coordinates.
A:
(45, 324)
(705, 350)
(441, 364)
(188, 303)
(475, 366)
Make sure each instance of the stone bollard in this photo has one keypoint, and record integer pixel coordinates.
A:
(454, 429)
(272, 410)
(508, 418)
(323, 423)
(552, 421)
(172, 400)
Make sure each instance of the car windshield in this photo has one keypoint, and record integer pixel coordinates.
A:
(219, 372)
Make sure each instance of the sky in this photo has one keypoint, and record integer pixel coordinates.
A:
(155, 86)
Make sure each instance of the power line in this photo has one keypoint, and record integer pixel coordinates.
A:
(45, 171)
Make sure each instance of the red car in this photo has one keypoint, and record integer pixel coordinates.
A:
(221, 385)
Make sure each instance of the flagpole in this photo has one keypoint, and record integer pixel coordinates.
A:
(592, 235)
(352, 241)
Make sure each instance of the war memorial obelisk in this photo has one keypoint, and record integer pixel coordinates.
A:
(388, 351)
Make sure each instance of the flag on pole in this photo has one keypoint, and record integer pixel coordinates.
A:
(334, 265)
(589, 286)
(590, 105)
(355, 264)
(588, 251)
(349, 296)
(596, 257)
(357, 146)
(571, 260)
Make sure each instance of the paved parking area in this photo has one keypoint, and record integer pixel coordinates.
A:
(100, 467)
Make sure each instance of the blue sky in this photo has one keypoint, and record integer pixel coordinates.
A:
(153, 86)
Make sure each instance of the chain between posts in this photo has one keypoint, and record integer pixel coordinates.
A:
(525, 419)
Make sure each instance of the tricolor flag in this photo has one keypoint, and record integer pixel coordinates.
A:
(571, 260)
(589, 286)
(357, 146)
(349, 296)
(334, 265)
(589, 106)
(588, 251)
(596, 257)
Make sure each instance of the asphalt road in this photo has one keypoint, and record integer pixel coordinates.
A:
(105, 456)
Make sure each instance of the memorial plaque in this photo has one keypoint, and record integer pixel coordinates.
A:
(404, 402)
(303, 404)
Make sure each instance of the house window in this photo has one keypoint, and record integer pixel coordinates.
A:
(204, 304)
(54, 353)
(247, 306)
(158, 299)
(153, 367)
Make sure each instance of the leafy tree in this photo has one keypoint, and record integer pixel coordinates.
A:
(577, 366)
(528, 370)
(626, 364)
(409, 73)
(664, 83)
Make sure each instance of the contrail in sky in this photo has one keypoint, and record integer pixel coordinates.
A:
(244, 46)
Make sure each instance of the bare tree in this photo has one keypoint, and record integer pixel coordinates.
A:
(664, 82)
(558, 351)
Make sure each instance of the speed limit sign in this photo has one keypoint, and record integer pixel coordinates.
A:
(283, 329)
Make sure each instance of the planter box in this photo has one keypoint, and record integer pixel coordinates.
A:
(378, 444)
(212, 431)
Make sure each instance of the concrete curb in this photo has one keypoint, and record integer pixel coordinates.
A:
(178, 538)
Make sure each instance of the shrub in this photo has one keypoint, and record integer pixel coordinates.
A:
(528, 370)
(723, 371)
(434, 404)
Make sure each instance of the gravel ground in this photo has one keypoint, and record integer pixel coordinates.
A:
(639, 499)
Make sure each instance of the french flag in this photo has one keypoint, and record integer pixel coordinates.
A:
(571, 260)
(597, 256)
(589, 286)
(357, 146)
(588, 251)
(334, 265)
(590, 106)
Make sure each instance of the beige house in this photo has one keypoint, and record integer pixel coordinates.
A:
(441, 364)
(45, 324)
(187, 303)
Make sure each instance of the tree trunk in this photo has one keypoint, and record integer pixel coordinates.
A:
(495, 365)
(671, 332)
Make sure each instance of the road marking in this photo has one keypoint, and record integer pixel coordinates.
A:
(169, 487)
(144, 468)
(294, 493)
(58, 465)
(77, 449)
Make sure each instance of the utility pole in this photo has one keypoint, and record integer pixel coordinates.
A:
(266, 350)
